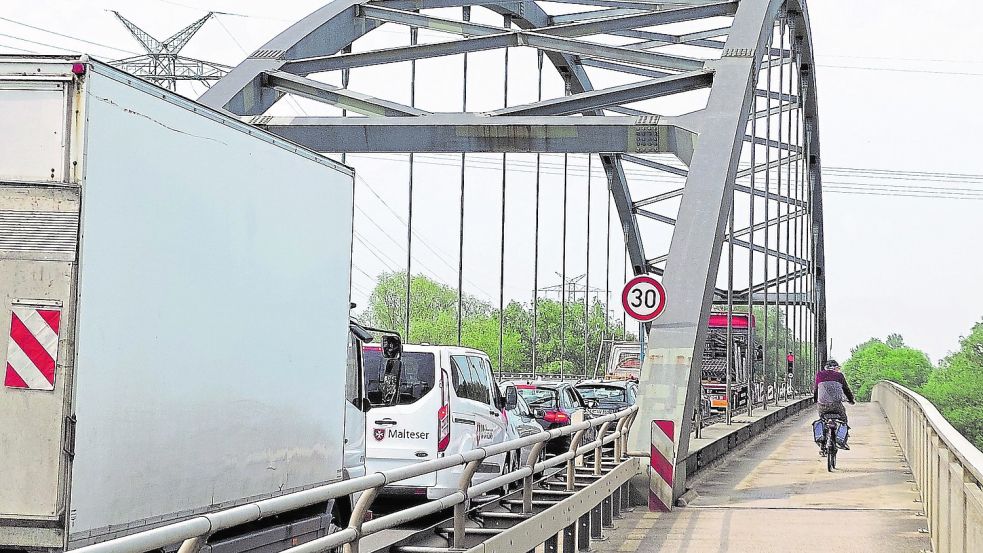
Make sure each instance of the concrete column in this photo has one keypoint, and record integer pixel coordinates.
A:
(926, 457)
(974, 517)
(932, 505)
(958, 477)
(944, 516)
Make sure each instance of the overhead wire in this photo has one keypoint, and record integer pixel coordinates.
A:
(19, 49)
(63, 35)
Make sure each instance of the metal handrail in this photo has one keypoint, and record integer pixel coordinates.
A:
(193, 532)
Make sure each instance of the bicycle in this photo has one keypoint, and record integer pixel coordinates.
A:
(831, 423)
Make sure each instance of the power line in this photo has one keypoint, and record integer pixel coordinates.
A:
(45, 44)
(19, 49)
(891, 58)
(29, 26)
(898, 70)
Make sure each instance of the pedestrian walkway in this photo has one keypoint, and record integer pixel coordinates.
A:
(775, 495)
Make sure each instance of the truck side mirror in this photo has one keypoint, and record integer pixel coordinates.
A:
(511, 398)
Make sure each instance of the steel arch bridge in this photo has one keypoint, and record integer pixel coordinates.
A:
(752, 146)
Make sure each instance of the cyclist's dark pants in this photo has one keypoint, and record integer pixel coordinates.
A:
(837, 408)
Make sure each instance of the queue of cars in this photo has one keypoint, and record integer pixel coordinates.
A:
(448, 401)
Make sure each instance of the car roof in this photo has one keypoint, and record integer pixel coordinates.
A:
(549, 384)
(607, 383)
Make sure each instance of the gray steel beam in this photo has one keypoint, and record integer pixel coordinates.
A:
(412, 19)
(629, 111)
(781, 108)
(341, 97)
(660, 197)
(591, 49)
(781, 162)
(770, 222)
(772, 298)
(780, 279)
(326, 30)
(645, 19)
(655, 216)
(652, 39)
(637, 4)
(317, 64)
(473, 133)
(694, 253)
(771, 252)
(773, 143)
(655, 165)
(592, 14)
(611, 66)
(398, 54)
(776, 95)
(606, 97)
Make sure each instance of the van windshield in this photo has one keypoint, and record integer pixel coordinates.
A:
(416, 380)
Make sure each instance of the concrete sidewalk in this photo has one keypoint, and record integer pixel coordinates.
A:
(775, 495)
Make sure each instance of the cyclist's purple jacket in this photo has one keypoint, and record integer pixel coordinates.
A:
(831, 387)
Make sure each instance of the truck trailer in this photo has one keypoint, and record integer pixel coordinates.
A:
(174, 312)
(624, 360)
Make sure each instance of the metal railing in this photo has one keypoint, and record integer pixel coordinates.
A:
(946, 466)
(193, 533)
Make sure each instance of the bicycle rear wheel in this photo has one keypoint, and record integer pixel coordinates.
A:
(830, 449)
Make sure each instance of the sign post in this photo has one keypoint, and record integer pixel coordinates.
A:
(644, 299)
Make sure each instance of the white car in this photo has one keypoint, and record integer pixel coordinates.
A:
(448, 402)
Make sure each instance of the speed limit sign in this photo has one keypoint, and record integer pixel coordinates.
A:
(643, 298)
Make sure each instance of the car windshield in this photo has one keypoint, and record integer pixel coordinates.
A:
(539, 397)
(602, 393)
(416, 377)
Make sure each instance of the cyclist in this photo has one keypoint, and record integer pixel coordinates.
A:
(831, 390)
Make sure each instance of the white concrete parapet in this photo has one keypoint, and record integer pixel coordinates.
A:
(946, 466)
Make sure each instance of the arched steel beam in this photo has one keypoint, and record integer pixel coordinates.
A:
(671, 371)
(327, 31)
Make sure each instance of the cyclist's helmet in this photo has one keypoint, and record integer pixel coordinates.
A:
(832, 365)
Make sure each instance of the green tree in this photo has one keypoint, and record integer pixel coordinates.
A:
(956, 387)
(875, 360)
(560, 338)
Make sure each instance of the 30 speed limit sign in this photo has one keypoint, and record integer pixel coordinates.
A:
(643, 298)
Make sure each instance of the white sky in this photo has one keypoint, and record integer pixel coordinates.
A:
(894, 264)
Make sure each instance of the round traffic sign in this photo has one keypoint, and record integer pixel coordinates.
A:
(643, 298)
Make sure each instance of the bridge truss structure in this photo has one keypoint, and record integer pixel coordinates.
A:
(718, 98)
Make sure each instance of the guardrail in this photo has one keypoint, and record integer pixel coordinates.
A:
(193, 533)
(946, 466)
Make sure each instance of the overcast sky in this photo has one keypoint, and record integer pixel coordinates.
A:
(898, 85)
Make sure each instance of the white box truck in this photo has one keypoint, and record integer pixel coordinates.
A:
(174, 314)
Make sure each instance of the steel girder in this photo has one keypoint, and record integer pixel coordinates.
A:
(334, 27)
(322, 42)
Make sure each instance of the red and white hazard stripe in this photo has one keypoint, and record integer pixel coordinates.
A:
(662, 462)
(32, 348)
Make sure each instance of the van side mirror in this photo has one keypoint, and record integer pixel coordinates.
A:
(392, 353)
(511, 398)
(365, 405)
(392, 346)
(390, 381)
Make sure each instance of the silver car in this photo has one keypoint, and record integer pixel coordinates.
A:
(521, 423)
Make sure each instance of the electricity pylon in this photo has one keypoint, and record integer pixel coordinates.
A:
(161, 64)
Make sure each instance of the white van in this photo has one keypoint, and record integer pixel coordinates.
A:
(448, 403)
